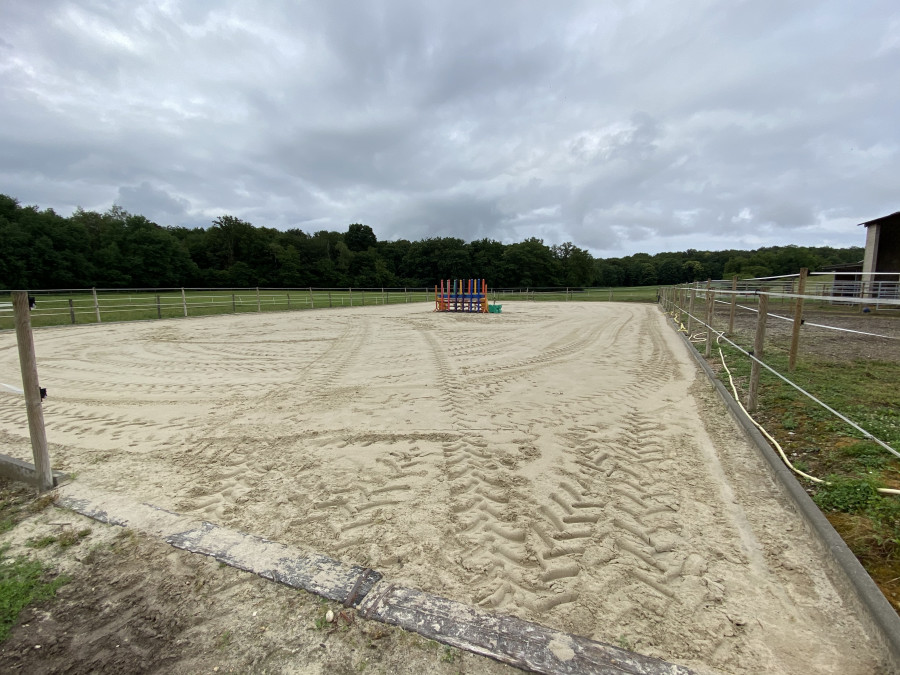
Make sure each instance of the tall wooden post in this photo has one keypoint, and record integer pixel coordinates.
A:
(72, 310)
(28, 365)
(329, 299)
(158, 308)
(96, 304)
(258, 304)
(798, 320)
(184, 301)
(758, 348)
(710, 313)
(312, 302)
(731, 311)
(350, 291)
(690, 325)
(233, 305)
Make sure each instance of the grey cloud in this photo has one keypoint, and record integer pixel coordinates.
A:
(616, 126)
(152, 202)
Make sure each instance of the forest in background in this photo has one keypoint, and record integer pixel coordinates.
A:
(40, 249)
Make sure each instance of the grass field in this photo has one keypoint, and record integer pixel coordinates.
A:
(55, 308)
(861, 385)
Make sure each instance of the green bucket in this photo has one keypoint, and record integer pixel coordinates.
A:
(494, 309)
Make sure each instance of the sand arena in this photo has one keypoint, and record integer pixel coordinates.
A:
(563, 462)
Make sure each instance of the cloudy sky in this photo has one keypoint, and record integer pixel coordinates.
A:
(619, 125)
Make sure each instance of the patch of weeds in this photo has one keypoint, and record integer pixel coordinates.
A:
(849, 495)
(789, 422)
(448, 655)
(124, 541)
(71, 537)
(41, 542)
(42, 502)
(874, 530)
(800, 465)
(223, 640)
(863, 455)
(625, 643)
(22, 582)
(93, 555)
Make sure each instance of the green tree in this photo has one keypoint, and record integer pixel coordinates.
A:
(360, 237)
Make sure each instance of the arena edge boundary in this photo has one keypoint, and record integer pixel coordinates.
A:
(507, 639)
(856, 582)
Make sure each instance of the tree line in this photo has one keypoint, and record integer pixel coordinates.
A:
(39, 249)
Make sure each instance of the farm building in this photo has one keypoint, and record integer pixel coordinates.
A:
(883, 254)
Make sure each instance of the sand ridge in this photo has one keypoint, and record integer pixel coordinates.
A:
(560, 461)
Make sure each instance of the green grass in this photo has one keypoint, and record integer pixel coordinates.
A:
(22, 582)
(617, 294)
(820, 444)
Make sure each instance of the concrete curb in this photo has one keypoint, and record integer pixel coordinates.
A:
(858, 586)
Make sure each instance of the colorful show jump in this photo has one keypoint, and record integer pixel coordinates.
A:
(461, 295)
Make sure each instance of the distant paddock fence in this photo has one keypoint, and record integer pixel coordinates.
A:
(705, 312)
(86, 306)
(55, 307)
(576, 294)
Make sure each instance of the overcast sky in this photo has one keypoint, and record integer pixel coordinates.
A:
(620, 126)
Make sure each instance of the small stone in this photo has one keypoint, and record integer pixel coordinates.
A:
(329, 616)
(37, 646)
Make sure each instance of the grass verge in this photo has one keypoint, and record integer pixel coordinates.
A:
(822, 445)
(22, 581)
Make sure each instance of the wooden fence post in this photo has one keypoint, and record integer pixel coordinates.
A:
(350, 291)
(96, 304)
(329, 299)
(312, 302)
(690, 326)
(289, 299)
(798, 320)
(28, 365)
(72, 310)
(733, 305)
(258, 304)
(184, 301)
(710, 314)
(158, 308)
(233, 305)
(758, 349)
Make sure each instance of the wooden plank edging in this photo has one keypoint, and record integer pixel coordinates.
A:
(24, 472)
(506, 639)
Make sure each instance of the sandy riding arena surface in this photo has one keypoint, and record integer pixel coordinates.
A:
(562, 462)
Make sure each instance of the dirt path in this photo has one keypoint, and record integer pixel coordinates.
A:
(562, 462)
